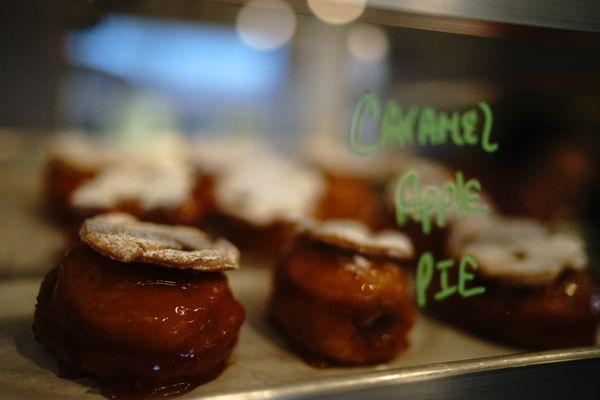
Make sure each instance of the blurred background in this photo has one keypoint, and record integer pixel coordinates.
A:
(284, 69)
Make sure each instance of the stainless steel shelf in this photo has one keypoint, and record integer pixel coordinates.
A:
(575, 15)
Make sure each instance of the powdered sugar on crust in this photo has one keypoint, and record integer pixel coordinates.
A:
(266, 190)
(353, 235)
(521, 252)
(124, 238)
(150, 186)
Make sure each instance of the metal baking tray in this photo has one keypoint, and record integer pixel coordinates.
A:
(262, 366)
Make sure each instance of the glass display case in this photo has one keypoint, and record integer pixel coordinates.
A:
(300, 199)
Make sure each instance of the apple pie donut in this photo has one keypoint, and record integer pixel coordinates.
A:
(72, 160)
(144, 308)
(163, 193)
(538, 291)
(260, 200)
(354, 185)
(340, 296)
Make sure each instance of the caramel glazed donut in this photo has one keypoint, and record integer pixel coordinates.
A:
(144, 308)
(539, 293)
(340, 296)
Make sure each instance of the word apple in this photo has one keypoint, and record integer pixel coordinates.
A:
(423, 203)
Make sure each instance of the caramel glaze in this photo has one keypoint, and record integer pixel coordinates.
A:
(138, 328)
(564, 314)
(60, 181)
(352, 198)
(259, 244)
(340, 307)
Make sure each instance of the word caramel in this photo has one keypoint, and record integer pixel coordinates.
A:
(419, 126)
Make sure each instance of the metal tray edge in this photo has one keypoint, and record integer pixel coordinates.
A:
(415, 374)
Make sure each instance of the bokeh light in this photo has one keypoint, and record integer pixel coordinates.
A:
(266, 24)
(368, 43)
(337, 11)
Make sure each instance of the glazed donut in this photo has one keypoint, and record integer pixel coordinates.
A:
(340, 296)
(260, 199)
(538, 292)
(349, 197)
(141, 307)
(169, 194)
(72, 161)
